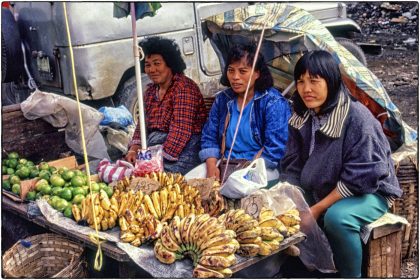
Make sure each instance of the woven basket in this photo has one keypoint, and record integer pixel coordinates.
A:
(407, 205)
(49, 256)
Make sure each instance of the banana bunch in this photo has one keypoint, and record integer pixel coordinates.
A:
(102, 213)
(203, 239)
(248, 232)
(270, 232)
(291, 221)
(139, 227)
(166, 179)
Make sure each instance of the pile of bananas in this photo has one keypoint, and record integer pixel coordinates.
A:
(270, 232)
(291, 222)
(203, 239)
(247, 231)
(106, 211)
(166, 179)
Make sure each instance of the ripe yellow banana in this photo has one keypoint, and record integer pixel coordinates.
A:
(274, 244)
(175, 229)
(123, 224)
(269, 222)
(220, 239)
(249, 234)
(167, 240)
(218, 261)
(227, 272)
(136, 242)
(104, 224)
(269, 233)
(185, 233)
(228, 248)
(265, 249)
(149, 205)
(247, 225)
(265, 213)
(163, 201)
(156, 204)
(204, 272)
(163, 254)
(255, 240)
(127, 237)
(76, 212)
(248, 250)
(289, 220)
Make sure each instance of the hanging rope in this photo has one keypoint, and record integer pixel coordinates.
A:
(94, 237)
(244, 100)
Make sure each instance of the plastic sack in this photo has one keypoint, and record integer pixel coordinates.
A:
(315, 251)
(149, 160)
(62, 111)
(118, 138)
(109, 172)
(245, 181)
(119, 116)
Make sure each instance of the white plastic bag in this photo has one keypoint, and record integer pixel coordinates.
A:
(245, 181)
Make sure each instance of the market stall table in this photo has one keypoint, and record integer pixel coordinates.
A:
(246, 267)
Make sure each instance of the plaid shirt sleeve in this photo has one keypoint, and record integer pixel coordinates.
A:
(186, 104)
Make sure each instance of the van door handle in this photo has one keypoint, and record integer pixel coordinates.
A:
(188, 45)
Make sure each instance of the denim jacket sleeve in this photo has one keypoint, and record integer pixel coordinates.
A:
(275, 132)
(210, 142)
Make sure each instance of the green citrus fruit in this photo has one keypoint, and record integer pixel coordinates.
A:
(13, 155)
(53, 200)
(52, 169)
(44, 174)
(10, 171)
(61, 170)
(77, 181)
(30, 163)
(41, 183)
(24, 172)
(57, 181)
(16, 189)
(66, 194)
(86, 189)
(38, 195)
(78, 198)
(6, 185)
(34, 173)
(14, 179)
(3, 169)
(61, 204)
(23, 161)
(43, 166)
(67, 212)
(67, 175)
(13, 163)
(95, 187)
(31, 195)
(56, 190)
(109, 191)
(78, 190)
(46, 189)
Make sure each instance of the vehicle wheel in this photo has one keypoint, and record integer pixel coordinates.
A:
(354, 49)
(13, 93)
(11, 52)
(127, 96)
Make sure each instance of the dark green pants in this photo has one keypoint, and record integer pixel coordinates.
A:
(342, 224)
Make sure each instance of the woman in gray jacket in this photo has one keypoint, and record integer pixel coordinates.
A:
(338, 154)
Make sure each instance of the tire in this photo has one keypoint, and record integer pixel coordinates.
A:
(13, 93)
(11, 51)
(354, 49)
(127, 96)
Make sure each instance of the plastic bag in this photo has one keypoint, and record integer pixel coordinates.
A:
(62, 111)
(119, 116)
(245, 181)
(118, 138)
(109, 172)
(315, 251)
(149, 160)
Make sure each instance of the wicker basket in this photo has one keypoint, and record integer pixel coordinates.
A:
(49, 256)
(407, 205)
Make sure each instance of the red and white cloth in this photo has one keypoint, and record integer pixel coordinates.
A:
(109, 172)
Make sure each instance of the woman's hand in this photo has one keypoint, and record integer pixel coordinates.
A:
(131, 155)
(212, 169)
(319, 208)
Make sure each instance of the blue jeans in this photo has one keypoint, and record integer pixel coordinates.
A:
(342, 224)
(188, 158)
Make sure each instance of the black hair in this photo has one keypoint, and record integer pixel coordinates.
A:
(169, 51)
(321, 64)
(236, 53)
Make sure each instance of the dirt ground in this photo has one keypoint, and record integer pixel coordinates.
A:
(394, 25)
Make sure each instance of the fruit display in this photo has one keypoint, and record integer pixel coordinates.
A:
(203, 239)
(215, 204)
(105, 216)
(256, 237)
(17, 169)
(291, 222)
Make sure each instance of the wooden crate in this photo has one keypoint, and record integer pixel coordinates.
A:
(33, 139)
(382, 253)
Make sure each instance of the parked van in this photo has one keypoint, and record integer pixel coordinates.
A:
(102, 45)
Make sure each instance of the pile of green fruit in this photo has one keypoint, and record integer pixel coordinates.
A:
(18, 169)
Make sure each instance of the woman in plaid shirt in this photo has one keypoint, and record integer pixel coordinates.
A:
(175, 110)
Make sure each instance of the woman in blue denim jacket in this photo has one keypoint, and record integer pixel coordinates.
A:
(264, 120)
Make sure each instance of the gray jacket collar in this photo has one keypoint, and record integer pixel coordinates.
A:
(335, 122)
